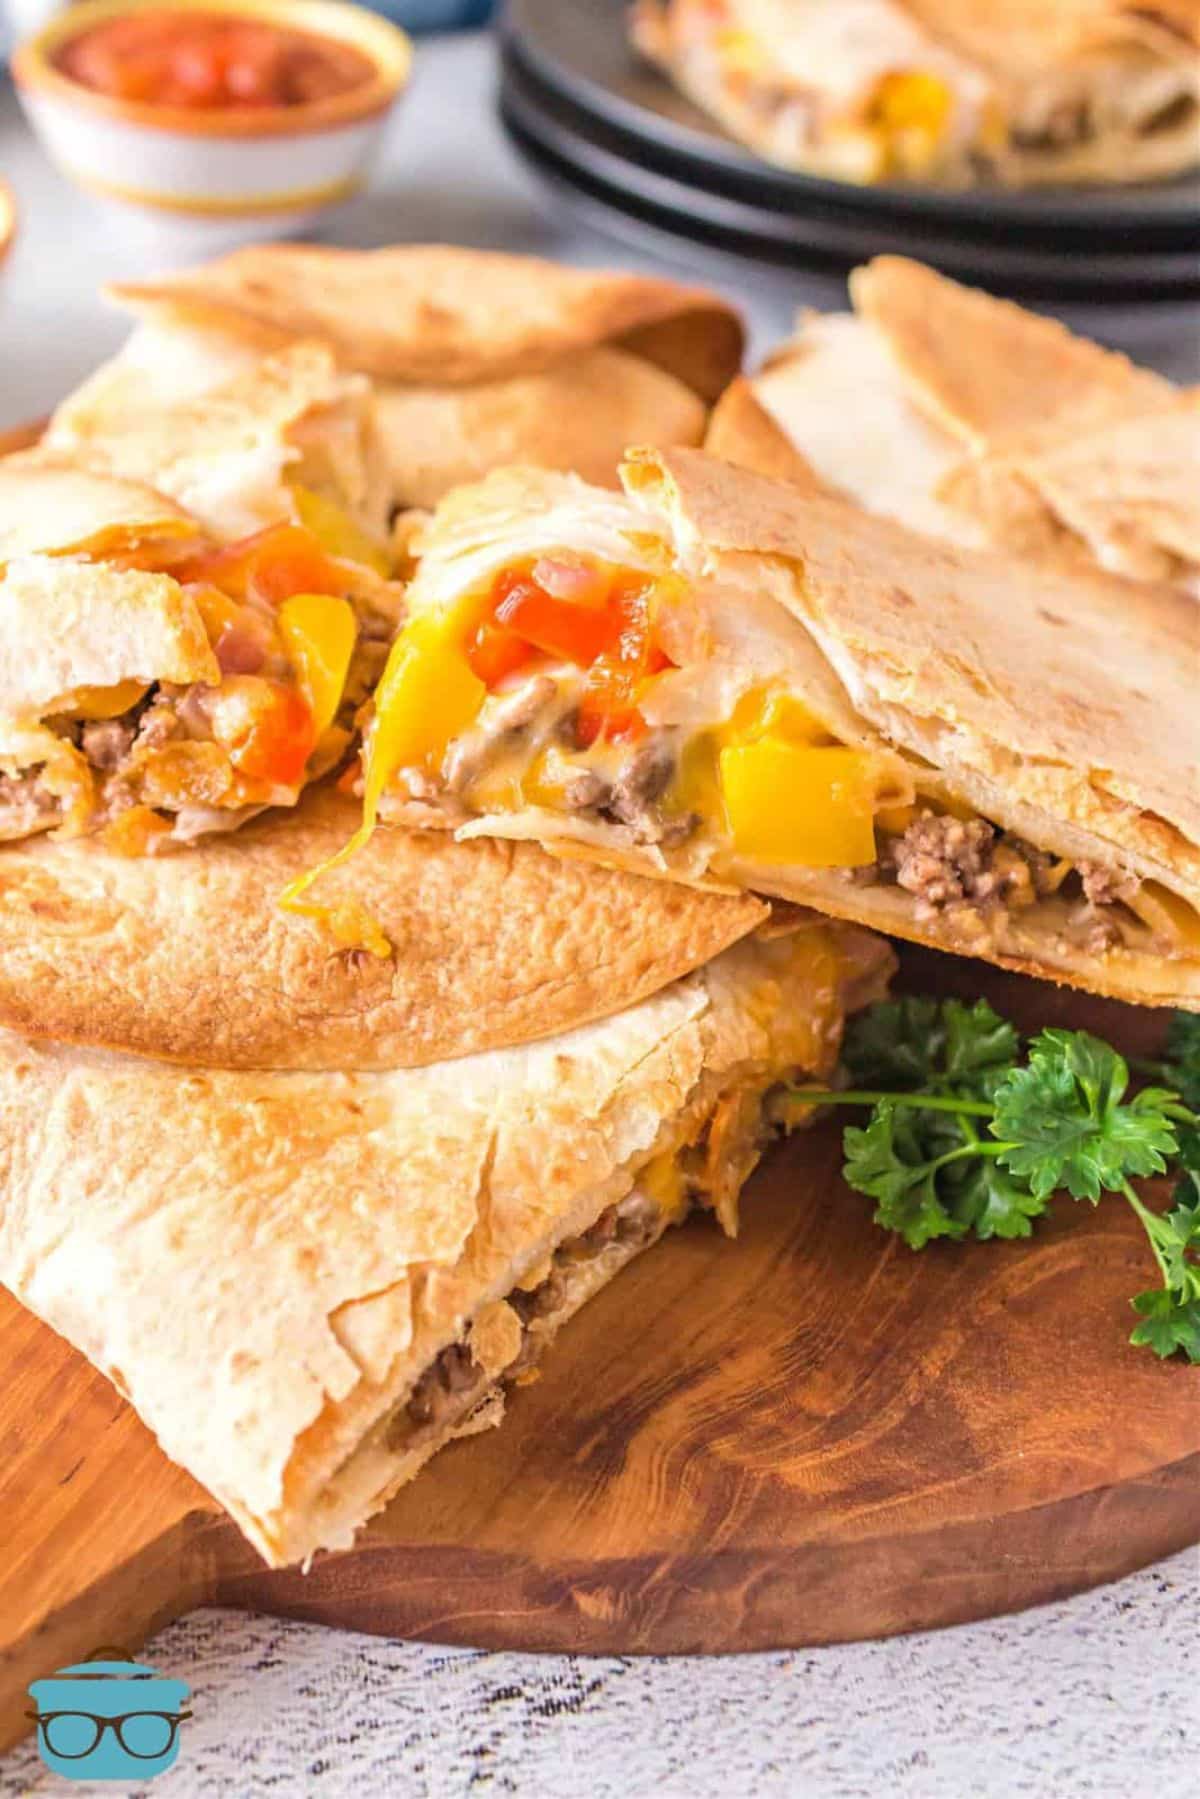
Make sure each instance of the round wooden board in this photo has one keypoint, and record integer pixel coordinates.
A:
(806, 1436)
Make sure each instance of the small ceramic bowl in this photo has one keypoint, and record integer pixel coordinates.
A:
(227, 173)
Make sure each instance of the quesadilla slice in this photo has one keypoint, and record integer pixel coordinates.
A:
(855, 92)
(155, 686)
(724, 681)
(285, 432)
(307, 1284)
(491, 944)
(974, 420)
(935, 91)
(476, 359)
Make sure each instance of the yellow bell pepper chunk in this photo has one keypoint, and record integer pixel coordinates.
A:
(319, 632)
(769, 712)
(427, 695)
(791, 803)
(912, 101)
(337, 533)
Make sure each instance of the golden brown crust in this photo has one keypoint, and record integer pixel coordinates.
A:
(321, 1238)
(577, 416)
(990, 370)
(188, 956)
(1075, 450)
(440, 314)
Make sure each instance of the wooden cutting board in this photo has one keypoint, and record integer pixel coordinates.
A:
(810, 1435)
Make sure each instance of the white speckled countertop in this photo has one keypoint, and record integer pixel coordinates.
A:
(1097, 1696)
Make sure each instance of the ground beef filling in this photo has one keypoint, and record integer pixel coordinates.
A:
(518, 726)
(951, 864)
(454, 1383)
(26, 804)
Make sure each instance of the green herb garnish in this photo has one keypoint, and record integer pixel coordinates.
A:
(970, 1133)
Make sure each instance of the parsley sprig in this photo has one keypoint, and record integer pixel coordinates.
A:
(971, 1132)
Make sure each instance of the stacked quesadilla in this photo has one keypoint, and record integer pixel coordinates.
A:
(948, 91)
(975, 420)
(316, 1210)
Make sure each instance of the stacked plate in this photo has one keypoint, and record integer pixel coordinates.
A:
(609, 132)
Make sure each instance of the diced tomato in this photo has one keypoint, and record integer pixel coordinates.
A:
(559, 628)
(605, 627)
(267, 729)
(494, 652)
(271, 565)
(609, 705)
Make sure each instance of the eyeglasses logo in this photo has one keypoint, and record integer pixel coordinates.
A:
(108, 1718)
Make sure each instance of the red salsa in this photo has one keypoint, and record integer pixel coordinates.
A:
(210, 61)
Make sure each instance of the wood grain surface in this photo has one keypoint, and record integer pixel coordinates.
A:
(807, 1436)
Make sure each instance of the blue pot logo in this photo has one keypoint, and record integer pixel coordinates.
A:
(109, 1718)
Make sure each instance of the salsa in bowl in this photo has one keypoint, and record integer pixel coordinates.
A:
(264, 111)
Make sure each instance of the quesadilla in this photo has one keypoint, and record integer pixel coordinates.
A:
(190, 959)
(1020, 91)
(156, 685)
(973, 420)
(476, 359)
(721, 680)
(1070, 446)
(307, 1284)
(243, 453)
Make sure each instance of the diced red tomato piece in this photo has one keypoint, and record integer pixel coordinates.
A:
(609, 705)
(607, 630)
(559, 628)
(494, 652)
(267, 728)
(270, 565)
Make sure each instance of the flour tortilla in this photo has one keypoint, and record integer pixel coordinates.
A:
(1076, 451)
(1073, 454)
(189, 957)
(60, 508)
(227, 451)
(265, 1264)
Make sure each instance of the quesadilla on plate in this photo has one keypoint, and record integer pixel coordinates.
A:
(724, 681)
(971, 419)
(476, 359)
(191, 959)
(945, 91)
(308, 1283)
(156, 685)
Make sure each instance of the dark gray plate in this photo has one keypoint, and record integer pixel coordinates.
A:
(595, 168)
(580, 49)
